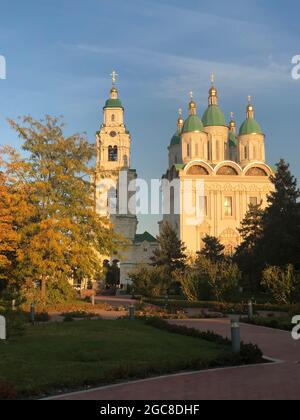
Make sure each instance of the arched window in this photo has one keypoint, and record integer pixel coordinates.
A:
(188, 150)
(113, 118)
(113, 153)
(246, 152)
(218, 150)
(208, 151)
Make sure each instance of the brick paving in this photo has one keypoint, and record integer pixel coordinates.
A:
(276, 381)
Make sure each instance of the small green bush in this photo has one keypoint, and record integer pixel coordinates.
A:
(42, 317)
(78, 314)
(15, 324)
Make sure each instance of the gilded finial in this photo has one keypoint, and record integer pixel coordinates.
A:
(232, 124)
(213, 93)
(212, 79)
(114, 77)
(250, 108)
(192, 105)
(180, 120)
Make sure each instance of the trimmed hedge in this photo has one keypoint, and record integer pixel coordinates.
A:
(283, 324)
(250, 353)
(241, 308)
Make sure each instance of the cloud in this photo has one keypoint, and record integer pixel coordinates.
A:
(176, 75)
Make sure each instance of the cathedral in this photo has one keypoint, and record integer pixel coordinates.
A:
(231, 164)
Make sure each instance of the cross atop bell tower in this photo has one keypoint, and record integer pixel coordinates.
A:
(113, 139)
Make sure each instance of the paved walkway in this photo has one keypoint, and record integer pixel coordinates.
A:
(265, 382)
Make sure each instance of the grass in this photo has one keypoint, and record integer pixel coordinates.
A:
(59, 357)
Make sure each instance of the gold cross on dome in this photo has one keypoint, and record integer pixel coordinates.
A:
(114, 77)
(249, 99)
(191, 94)
(180, 112)
(212, 78)
(232, 115)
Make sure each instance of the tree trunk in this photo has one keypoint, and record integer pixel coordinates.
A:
(43, 288)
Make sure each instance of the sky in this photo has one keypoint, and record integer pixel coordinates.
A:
(60, 54)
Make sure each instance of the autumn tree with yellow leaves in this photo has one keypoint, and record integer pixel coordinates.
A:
(57, 235)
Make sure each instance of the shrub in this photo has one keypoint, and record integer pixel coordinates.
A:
(68, 318)
(7, 391)
(209, 278)
(150, 281)
(15, 324)
(42, 317)
(250, 353)
(60, 292)
(283, 283)
(79, 314)
(57, 292)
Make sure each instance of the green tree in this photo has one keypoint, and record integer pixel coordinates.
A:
(280, 242)
(150, 281)
(64, 237)
(170, 253)
(217, 278)
(283, 283)
(213, 249)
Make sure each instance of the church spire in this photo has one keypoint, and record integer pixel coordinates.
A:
(192, 105)
(213, 93)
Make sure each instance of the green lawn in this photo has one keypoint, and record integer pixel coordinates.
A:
(57, 357)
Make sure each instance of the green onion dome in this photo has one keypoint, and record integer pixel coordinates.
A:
(192, 124)
(213, 116)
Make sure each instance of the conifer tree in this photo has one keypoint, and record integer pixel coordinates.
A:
(213, 249)
(170, 253)
(248, 255)
(281, 221)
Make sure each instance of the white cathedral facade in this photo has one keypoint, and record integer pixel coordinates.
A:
(230, 163)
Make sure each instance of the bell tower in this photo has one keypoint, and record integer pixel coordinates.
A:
(113, 139)
(113, 172)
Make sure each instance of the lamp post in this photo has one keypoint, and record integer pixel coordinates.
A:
(250, 309)
(131, 312)
(235, 335)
